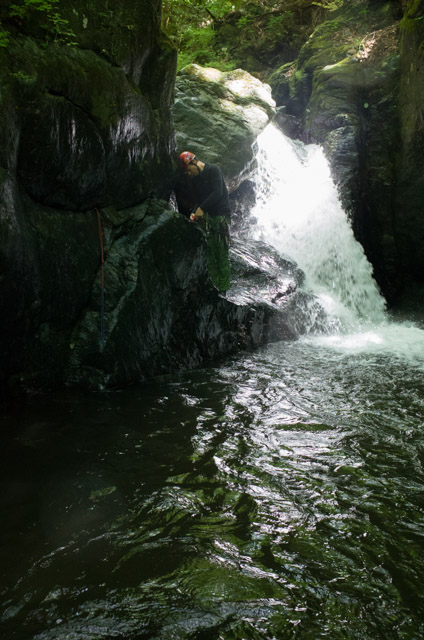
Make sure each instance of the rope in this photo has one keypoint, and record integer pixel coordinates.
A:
(102, 311)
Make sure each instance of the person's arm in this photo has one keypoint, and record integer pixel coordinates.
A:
(199, 213)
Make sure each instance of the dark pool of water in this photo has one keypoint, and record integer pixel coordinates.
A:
(279, 495)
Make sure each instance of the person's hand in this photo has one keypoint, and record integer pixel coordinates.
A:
(199, 213)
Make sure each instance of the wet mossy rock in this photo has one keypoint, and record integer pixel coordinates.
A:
(218, 116)
(87, 137)
(410, 190)
(87, 133)
(161, 312)
(83, 126)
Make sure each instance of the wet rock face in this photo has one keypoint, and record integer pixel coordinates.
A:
(82, 126)
(124, 33)
(87, 134)
(161, 312)
(62, 157)
(410, 188)
(266, 280)
(154, 270)
(219, 115)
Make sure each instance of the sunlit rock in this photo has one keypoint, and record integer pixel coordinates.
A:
(218, 116)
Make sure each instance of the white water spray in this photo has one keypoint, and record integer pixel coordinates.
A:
(298, 211)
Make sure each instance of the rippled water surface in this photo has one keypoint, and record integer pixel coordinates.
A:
(279, 495)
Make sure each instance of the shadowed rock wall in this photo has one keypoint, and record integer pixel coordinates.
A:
(82, 127)
(410, 188)
(88, 147)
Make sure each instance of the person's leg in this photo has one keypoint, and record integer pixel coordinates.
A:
(218, 259)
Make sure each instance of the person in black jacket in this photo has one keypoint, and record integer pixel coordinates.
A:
(202, 194)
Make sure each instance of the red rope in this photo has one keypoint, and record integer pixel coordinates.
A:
(99, 222)
(102, 312)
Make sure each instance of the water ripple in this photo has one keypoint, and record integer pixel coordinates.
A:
(281, 496)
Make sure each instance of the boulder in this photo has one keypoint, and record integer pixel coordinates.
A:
(263, 278)
(161, 312)
(218, 115)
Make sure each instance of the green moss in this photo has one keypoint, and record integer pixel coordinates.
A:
(414, 7)
(413, 17)
(282, 71)
(23, 78)
(103, 110)
(409, 25)
(4, 37)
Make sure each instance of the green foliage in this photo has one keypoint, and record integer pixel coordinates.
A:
(56, 28)
(23, 78)
(4, 37)
(190, 25)
(197, 46)
(329, 5)
(228, 33)
(22, 10)
(177, 15)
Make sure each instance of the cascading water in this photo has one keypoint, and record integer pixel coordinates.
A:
(298, 211)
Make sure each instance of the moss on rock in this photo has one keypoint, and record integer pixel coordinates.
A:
(410, 188)
(82, 126)
(218, 115)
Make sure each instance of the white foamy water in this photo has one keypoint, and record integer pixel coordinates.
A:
(298, 211)
(402, 341)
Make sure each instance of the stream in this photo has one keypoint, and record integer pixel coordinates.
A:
(273, 495)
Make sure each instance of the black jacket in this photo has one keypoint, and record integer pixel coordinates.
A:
(211, 192)
(206, 190)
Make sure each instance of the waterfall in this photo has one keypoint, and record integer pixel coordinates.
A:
(298, 211)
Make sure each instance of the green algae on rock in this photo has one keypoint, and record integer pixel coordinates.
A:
(218, 115)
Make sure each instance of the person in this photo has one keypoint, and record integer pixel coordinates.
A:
(202, 194)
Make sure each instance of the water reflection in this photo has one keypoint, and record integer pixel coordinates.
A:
(278, 496)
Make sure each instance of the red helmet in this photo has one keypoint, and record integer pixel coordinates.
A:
(186, 157)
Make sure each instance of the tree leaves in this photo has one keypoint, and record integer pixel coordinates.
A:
(225, 33)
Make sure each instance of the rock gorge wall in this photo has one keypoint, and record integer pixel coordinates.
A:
(357, 88)
(410, 155)
(88, 158)
(81, 127)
